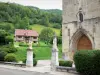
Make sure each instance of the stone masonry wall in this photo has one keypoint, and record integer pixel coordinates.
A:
(70, 25)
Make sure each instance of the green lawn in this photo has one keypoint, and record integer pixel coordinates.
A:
(42, 53)
(38, 28)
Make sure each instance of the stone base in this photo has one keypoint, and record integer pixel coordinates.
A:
(29, 61)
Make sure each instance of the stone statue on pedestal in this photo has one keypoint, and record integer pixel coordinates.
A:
(30, 44)
(29, 61)
(54, 57)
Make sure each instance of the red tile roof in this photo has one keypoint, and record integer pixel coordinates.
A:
(22, 32)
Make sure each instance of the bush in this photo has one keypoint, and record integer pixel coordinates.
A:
(59, 40)
(9, 39)
(57, 25)
(96, 61)
(34, 55)
(10, 58)
(23, 44)
(87, 62)
(34, 62)
(24, 60)
(2, 55)
(65, 63)
(8, 49)
(12, 49)
(4, 49)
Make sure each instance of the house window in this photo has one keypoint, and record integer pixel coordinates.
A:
(27, 38)
(19, 36)
(35, 37)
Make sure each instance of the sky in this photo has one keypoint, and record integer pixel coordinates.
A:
(42, 4)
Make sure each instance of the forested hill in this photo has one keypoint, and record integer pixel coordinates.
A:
(22, 16)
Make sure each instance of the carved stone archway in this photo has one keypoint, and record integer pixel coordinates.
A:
(78, 36)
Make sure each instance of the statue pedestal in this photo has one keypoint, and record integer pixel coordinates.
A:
(54, 59)
(29, 61)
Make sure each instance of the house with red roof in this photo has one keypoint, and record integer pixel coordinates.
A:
(22, 35)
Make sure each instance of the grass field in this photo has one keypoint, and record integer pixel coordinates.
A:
(42, 53)
(38, 28)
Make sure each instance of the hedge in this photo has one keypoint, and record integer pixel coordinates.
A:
(96, 61)
(34, 62)
(87, 62)
(8, 49)
(23, 44)
(65, 63)
(2, 55)
(10, 58)
(34, 55)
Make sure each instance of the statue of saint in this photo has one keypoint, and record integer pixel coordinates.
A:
(30, 44)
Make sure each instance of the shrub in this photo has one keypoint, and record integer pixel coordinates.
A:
(65, 63)
(96, 61)
(4, 49)
(23, 44)
(9, 39)
(2, 55)
(59, 40)
(8, 48)
(10, 58)
(34, 55)
(84, 61)
(12, 49)
(34, 62)
(24, 60)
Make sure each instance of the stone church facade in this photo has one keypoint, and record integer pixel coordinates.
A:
(81, 26)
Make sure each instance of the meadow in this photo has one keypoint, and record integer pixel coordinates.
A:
(43, 52)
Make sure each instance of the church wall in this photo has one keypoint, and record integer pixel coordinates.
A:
(70, 9)
(92, 28)
(90, 24)
(68, 30)
(90, 9)
(97, 34)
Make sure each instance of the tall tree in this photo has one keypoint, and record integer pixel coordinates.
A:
(46, 35)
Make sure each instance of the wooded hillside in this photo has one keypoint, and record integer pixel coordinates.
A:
(18, 16)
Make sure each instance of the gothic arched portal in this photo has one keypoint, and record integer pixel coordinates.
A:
(84, 43)
(81, 40)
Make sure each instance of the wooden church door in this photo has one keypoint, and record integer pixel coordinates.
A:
(84, 43)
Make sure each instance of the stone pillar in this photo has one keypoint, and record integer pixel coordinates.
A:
(54, 57)
(29, 61)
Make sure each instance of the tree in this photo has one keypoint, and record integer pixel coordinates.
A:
(8, 27)
(3, 34)
(21, 16)
(46, 35)
(23, 24)
(9, 39)
(44, 21)
(5, 37)
(61, 32)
